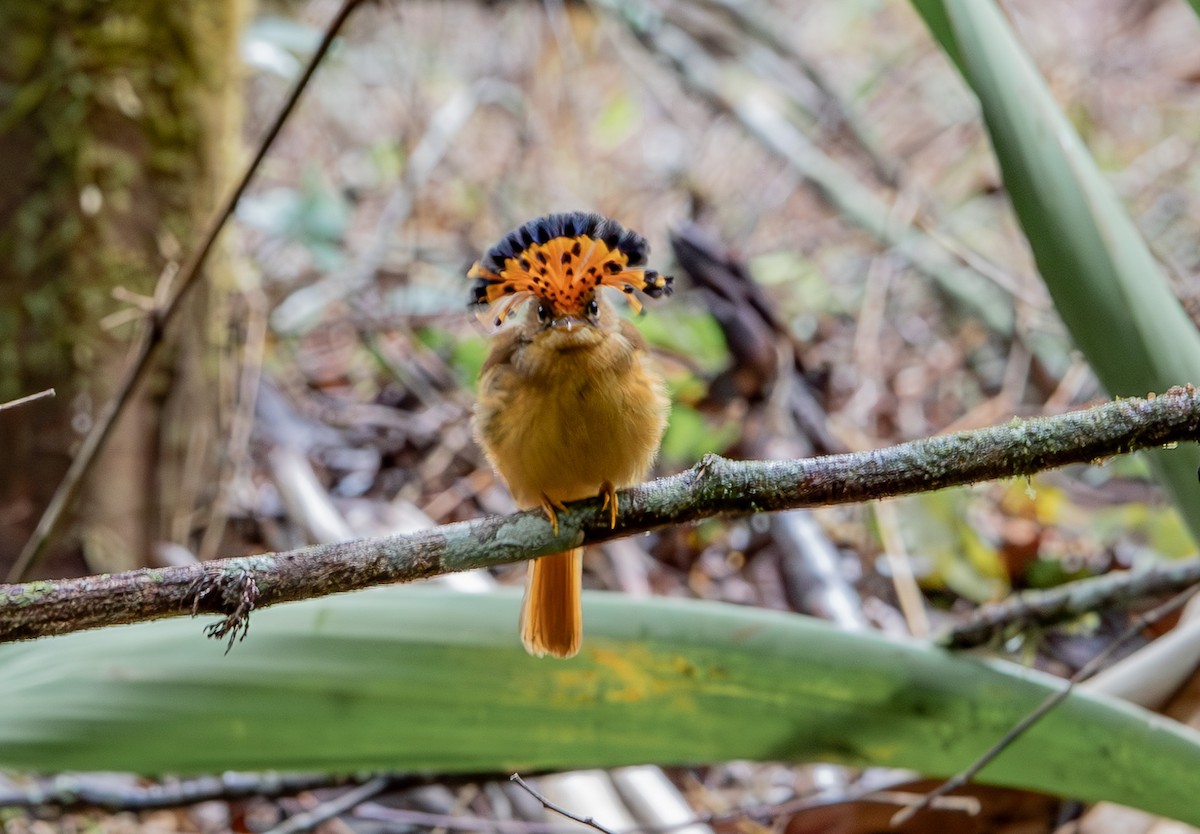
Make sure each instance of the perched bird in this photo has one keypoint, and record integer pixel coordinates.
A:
(568, 406)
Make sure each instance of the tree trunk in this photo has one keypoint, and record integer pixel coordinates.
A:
(117, 122)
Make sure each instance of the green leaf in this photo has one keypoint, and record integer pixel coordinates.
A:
(957, 555)
(617, 120)
(1105, 283)
(425, 679)
(688, 331)
(690, 436)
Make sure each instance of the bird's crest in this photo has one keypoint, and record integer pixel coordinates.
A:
(561, 259)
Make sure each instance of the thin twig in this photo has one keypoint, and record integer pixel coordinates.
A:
(410, 818)
(904, 578)
(328, 810)
(715, 486)
(40, 395)
(968, 805)
(590, 822)
(154, 329)
(1053, 700)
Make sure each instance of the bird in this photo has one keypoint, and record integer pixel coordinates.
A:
(569, 405)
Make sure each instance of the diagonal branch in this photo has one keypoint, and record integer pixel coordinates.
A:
(715, 486)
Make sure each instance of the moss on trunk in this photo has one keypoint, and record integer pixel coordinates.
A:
(116, 126)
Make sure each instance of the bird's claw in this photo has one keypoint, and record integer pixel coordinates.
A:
(549, 505)
(609, 493)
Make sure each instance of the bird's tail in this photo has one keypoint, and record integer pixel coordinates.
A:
(552, 613)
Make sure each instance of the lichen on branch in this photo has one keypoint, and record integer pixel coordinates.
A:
(713, 487)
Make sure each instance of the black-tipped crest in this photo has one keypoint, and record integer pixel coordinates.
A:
(561, 259)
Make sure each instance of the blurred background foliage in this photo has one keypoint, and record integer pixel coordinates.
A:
(875, 229)
(568, 111)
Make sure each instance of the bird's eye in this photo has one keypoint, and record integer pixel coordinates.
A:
(593, 309)
(543, 313)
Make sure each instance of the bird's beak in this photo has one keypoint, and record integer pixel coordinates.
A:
(567, 323)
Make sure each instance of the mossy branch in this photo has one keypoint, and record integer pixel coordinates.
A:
(715, 486)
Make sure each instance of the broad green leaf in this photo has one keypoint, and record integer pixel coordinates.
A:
(1106, 285)
(425, 679)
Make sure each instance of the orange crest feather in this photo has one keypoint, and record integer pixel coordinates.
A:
(561, 259)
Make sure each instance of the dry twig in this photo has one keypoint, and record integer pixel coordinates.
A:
(558, 809)
(338, 805)
(40, 395)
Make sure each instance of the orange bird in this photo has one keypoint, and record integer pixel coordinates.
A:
(568, 407)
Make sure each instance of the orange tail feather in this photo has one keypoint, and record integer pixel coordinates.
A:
(552, 613)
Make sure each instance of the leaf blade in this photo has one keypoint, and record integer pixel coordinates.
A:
(1106, 285)
(424, 679)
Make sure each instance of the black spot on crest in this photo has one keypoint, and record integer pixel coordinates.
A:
(516, 249)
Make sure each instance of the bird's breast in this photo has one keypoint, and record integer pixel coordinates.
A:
(563, 427)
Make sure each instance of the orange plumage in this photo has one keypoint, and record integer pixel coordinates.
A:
(568, 406)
